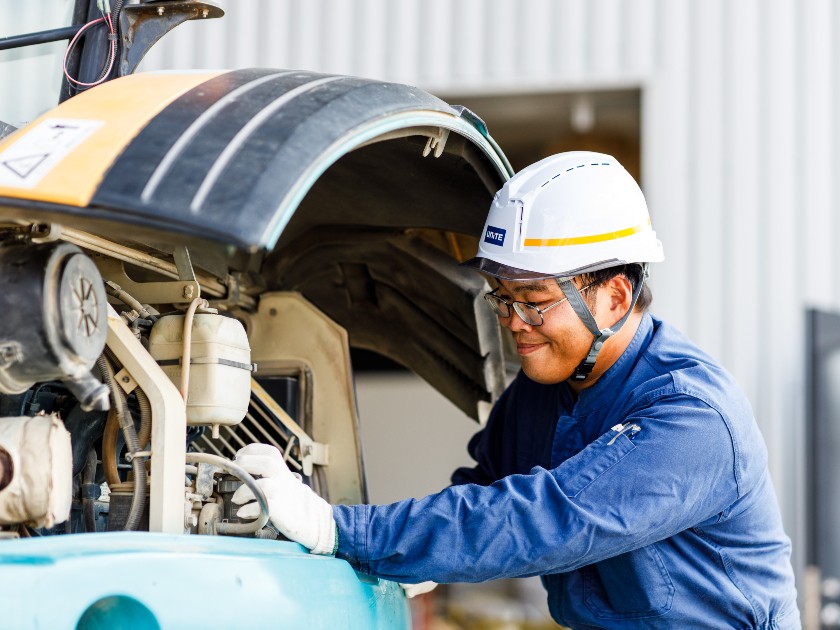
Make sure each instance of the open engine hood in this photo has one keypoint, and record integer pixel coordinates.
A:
(361, 195)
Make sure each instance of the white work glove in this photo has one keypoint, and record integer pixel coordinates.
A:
(293, 507)
(412, 590)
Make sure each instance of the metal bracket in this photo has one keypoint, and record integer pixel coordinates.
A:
(172, 292)
(123, 378)
(45, 232)
(436, 142)
(204, 479)
(142, 25)
(183, 263)
(185, 271)
(311, 452)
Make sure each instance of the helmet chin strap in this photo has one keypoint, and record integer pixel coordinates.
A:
(600, 335)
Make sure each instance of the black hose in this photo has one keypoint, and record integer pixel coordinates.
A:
(138, 464)
(88, 478)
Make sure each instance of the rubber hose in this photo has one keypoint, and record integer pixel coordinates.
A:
(89, 477)
(138, 500)
(115, 290)
(145, 432)
(112, 428)
(109, 448)
(187, 345)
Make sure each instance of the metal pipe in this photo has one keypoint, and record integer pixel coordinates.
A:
(248, 480)
(40, 37)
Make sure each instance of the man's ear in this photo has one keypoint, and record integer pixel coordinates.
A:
(620, 294)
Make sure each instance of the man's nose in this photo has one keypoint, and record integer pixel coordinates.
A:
(515, 323)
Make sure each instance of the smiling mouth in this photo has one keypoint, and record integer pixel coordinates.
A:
(528, 348)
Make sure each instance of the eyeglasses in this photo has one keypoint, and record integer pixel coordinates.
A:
(527, 311)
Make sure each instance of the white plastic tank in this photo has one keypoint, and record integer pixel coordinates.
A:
(220, 365)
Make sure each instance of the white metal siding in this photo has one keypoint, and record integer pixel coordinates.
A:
(739, 141)
(30, 78)
(441, 45)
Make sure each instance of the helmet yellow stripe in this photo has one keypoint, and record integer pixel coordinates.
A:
(583, 240)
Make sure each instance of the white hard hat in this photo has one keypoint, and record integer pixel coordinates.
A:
(567, 214)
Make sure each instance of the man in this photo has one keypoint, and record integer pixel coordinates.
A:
(623, 465)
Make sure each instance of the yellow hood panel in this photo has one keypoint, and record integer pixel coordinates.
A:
(62, 156)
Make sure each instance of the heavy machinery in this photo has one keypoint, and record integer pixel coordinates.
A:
(185, 263)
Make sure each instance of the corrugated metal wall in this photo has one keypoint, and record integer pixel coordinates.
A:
(739, 141)
(31, 77)
(441, 45)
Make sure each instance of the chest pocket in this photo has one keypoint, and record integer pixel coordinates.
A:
(630, 586)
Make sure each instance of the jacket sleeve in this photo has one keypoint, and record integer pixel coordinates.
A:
(616, 495)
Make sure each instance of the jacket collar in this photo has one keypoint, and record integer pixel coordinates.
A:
(613, 381)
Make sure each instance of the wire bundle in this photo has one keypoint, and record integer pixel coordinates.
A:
(104, 7)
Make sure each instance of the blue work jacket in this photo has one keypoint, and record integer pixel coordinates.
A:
(644, 503)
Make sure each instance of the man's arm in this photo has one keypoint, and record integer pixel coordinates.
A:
(614, 496)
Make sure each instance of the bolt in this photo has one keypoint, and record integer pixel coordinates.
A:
(188, 292)
(160, 10)
(125, 379)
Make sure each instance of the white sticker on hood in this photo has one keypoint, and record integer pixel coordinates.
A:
(27, 161)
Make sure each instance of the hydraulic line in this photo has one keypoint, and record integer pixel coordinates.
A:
(138, 464)
(115, 290)
(236, 470)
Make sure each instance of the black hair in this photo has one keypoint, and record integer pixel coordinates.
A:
(634, 272)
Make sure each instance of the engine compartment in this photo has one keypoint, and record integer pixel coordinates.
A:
(161, 348)
(82, 361)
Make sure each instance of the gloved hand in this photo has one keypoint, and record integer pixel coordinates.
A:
(412, 590)
(294, 509)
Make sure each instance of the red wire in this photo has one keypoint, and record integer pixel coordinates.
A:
(111, 56)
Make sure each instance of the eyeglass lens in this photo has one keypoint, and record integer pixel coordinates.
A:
(528, 312)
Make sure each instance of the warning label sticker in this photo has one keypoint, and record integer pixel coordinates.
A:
(27, 161)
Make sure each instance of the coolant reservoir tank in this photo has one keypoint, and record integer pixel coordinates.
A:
(220, 365)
